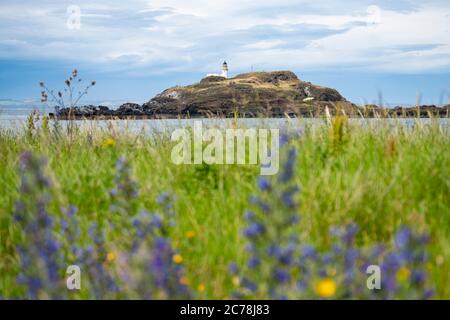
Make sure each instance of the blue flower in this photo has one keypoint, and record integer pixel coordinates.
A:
(281, 276)
(403, 237)
(157, 221)
(308, 251)
(254, 262)
(273, 250)
(350, 233)
(249, 215)
(264, 184)
(287, 197)
(285, 258)
(250, 285)
(294, 219)
(233, 268)
(418, 277)
(288, 169)
(429, 294)
(255, 229)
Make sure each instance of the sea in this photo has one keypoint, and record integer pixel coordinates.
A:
(14, 114)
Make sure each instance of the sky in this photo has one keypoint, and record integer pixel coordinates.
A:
(393, 51)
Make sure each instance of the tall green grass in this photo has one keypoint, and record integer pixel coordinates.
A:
(379, 174)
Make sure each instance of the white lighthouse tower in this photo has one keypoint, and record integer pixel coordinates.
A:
(224, 73)
(225, 70)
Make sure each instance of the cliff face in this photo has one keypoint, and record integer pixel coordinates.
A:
(250, 94)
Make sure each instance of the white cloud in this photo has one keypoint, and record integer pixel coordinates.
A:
(195, 35)
(264, 44)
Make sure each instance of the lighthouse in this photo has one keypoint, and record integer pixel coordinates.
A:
(225, 70)
(224, 73)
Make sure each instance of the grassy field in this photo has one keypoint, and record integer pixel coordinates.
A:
(380, 176)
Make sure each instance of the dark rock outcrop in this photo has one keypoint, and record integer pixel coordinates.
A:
(85, 112)
(130, 109)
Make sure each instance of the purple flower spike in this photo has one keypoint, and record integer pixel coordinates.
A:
(403, 237)
(281, 276)
(264, 184)
(255, 229)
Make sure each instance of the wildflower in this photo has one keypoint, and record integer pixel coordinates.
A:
(281, 276)
(326, 288)
(308, 251)
(254, 230)
(110, 257)
(273, 250)
(287, 197)
(253, 262)
(285, 258)
(125, 193)
(418, 277)
(184, 281)
(284, 139)
(288, 168)
(40, 257)
(109, 142)
(177, 259)
(164, 199)
(349, 235)
(190, 234)
(402, 237)
(428, 294)
(156, 221)
(295, 218)
(236, 281)
(248, 284)
(264, 184)
(403, 274)
(201, 287)
(249, 215)
(233, 268)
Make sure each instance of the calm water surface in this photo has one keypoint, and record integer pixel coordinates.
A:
(14, 118)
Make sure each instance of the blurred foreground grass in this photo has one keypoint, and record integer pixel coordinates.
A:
(379, 175)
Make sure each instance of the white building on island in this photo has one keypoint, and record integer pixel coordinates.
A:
(224, 73)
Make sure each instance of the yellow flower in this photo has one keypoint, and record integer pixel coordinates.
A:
(236, 281)
(110, 257)
(403, 274)
(110, 142)
(326, 288)
(190, 234)
(184, 281)
(177, 259)
(201, 287)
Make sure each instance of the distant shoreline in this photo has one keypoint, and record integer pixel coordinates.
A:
(104, 113)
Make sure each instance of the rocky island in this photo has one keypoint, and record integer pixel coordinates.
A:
(256, 94)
